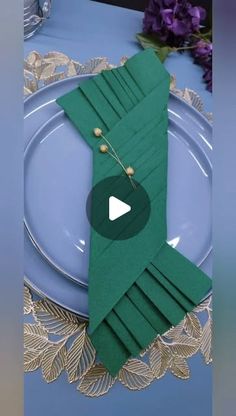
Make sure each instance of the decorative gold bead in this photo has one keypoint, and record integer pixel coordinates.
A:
(130, 171)
(103, 148)
(97, 132)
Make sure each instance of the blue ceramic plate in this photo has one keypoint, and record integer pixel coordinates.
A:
(58, 178)
(58, 173)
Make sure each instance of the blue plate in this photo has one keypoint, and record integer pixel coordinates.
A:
(58, 173)
(58, 178)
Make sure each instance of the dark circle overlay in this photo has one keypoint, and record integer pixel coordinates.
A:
(129, 224)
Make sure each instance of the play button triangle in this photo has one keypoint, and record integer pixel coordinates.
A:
(117, 208)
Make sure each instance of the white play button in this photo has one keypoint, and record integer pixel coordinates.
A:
(115, 211)
(117, 208)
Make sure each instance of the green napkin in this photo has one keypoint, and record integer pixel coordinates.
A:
(141, 286)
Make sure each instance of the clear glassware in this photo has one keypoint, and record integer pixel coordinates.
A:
(35, 14)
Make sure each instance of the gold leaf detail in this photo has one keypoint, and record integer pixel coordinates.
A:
(96, 65)
(175, 331)
(35, 337)
(78, 67)
(80, 357)
(54, 361)
(135, 375)
(192, 326)
(54, 77)
(204, 305)
(172, 82)
(71, 69)
(28, 303)
(146, 350)
(32, 58)
(54, 319)
(27, 91)
(96, 382)
(47, 71)
(30, 81)
(56, 58)
(123, 60)
(32, 360)
(185, 346)
(179, 368)
(206, 347)
(187, 97)
(160, 358)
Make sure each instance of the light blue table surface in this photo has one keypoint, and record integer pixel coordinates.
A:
(83, 29)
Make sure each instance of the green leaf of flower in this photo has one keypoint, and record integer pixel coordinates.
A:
(151, 41)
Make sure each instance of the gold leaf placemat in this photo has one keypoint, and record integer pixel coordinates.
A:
(57, 341)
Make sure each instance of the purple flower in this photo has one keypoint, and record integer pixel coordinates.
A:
(208, 75)
(202, 53)
(198, 15)
(172, 20)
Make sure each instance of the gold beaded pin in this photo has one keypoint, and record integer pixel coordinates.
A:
(105, 148)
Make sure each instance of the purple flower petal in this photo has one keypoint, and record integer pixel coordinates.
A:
(167, 16)
(179, 28)
(169, 3)
(172, 20)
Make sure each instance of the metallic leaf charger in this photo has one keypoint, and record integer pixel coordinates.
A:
(143, 285)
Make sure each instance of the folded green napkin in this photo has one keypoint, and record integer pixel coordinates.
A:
(138, 287)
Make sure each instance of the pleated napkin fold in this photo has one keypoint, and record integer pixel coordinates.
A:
(138, 287)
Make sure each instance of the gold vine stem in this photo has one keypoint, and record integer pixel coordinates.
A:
(117, 159)
(120, 163)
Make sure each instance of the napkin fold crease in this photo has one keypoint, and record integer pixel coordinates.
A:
(139, 287)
